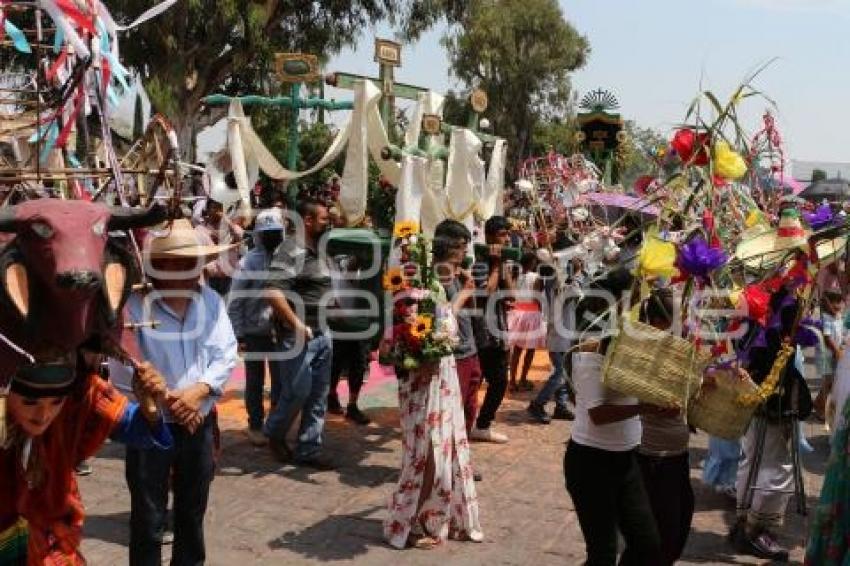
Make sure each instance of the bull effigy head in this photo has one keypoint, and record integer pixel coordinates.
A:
(61, 249)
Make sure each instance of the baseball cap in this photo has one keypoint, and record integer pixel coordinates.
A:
(268, 220)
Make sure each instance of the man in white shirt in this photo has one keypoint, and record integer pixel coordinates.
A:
(193, 346)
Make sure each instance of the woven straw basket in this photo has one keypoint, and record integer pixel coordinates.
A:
(654, 366)
(717, 411)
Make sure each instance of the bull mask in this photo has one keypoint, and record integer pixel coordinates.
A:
(61, 244)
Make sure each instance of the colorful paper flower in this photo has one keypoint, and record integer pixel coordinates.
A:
(691, 147)
(699, 259)
(756, 301)
(657, 258)
(820, 218)
(728, 163)
(405, 229)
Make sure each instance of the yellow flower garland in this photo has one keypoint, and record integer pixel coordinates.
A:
(768, 386)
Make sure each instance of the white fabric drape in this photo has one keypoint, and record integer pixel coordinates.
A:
(492, 199)
(465, 179)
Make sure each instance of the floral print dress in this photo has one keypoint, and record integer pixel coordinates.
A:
(432, 419)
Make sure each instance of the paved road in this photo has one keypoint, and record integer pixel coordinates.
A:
(262, 513)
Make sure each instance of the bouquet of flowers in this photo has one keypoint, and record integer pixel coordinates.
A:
(423, 330)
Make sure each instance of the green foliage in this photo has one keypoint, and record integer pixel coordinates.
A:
(818, 175)
(521, 53)
(557, 135)
(636, 154)
(199, 47)
(381, 199)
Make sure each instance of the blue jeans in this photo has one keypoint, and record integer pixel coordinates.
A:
(255, 378)
(305, 382)
(557, 385)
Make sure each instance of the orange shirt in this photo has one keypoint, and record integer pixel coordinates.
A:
(52, 505)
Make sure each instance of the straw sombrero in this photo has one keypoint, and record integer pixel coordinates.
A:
(763, 246)
(182, 241)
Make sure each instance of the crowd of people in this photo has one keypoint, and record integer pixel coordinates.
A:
(217, 294)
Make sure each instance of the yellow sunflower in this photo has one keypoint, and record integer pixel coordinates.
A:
(394, 279)
(405, 229)
(422, 326)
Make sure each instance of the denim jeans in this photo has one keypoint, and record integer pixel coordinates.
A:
(255, 377)
(305, 382)
(558, 384)
(188, 468)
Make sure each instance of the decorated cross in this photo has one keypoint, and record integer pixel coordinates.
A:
(295, 70)
(388, 56)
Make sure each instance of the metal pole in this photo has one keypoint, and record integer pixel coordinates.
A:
(387, 100)
(292, 153)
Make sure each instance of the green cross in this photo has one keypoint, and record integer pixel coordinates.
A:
(297, 70)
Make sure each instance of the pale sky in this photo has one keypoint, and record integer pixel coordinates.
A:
(653, 54)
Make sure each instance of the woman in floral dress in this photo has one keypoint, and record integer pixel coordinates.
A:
(435, 497)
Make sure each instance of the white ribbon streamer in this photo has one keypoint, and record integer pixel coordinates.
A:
(71, 35)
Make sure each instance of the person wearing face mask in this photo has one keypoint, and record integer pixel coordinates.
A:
(250, 314)
(299, 289)
(57, 414)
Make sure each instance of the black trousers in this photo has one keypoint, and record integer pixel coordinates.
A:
(668, 484)
(494, 368)
(608, 495)
(188, 468)
(352, 359)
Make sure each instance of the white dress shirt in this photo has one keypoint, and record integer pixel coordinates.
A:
(200, 347)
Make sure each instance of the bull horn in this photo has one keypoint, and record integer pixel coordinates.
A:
(8, 222)
(125, 218)
(17, 287)
(115, 279)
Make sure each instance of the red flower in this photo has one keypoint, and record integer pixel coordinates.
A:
(691, 147)
(642, 184)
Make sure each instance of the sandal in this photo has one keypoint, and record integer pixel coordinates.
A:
(424, 542)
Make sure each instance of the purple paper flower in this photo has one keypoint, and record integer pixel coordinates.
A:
(699, 259)
(807, 333)
(820, 218)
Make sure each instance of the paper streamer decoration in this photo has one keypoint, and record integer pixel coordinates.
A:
(148, 14)
(17, 36)
(67, 30)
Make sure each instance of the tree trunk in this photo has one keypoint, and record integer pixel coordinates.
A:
(184, 127)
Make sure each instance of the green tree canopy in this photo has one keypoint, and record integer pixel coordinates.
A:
(520, 52)
(203, 46)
